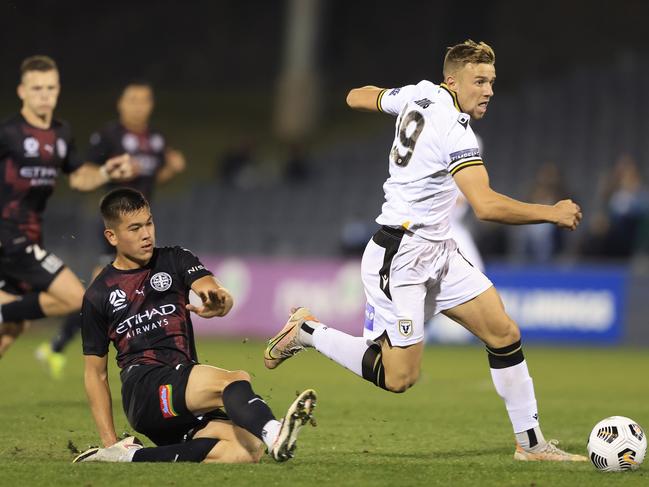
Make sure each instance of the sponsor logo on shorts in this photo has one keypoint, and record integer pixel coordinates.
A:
(405, 328)
(166, 403)
(161, 281)
(369, 317)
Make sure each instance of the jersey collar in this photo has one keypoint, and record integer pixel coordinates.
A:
(453, 96)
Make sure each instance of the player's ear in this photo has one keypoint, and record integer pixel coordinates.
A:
(110, 235)
(20, 91)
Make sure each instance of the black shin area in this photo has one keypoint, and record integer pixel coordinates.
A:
(67, 332)
(501, 358)
(190, 451)
(245, 408)
(373, 370)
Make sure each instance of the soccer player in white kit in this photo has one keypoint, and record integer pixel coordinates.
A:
(411, 267)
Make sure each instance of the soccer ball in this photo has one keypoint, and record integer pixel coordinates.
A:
(617, 443)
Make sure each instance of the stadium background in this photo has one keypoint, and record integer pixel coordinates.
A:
(283, 181)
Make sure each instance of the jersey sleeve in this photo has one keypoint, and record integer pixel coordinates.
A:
(72, 161)
(94, 330)
(190, 267)
(463, 149)
(5, 149)
(99, 150)
(392, 100)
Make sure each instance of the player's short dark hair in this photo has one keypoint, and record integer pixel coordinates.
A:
(136, 82)
(37, 63)
(467, 52)
(121, 201)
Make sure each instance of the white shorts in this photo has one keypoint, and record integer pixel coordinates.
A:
(408, 280)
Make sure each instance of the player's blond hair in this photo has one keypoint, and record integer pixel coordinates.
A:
(467, 52)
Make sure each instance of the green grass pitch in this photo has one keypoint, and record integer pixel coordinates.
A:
(451, 429)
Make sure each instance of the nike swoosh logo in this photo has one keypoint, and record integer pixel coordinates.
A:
(273, 342)
(256, 399)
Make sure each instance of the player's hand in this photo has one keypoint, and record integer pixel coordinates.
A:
(121, 168)
(568, 214)
(175, 160)
(215, 302)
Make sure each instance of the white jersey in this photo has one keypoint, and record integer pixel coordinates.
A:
(433, 141)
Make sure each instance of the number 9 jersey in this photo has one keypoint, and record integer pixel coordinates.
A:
(433, 140)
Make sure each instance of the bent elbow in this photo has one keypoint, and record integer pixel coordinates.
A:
(483, 213)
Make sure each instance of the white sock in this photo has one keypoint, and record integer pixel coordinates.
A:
(516, 387)
(340, 347)
(270, 431)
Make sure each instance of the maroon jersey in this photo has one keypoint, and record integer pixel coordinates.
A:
(142, 311)
(30, 162)
(147, 148)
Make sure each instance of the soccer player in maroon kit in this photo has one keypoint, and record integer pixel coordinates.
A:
(156, 163)
(140, 303)
(34, 149)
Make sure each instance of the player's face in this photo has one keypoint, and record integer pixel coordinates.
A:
(135, 105)
(39, 91)
(134, 236)
(474, 84)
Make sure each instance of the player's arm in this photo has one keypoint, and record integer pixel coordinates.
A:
(216, 300)
(489, 205)
(99, 398)
(89, 176)
(174, 165)
(365, 99)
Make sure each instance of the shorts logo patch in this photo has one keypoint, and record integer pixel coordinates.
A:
(369, 317)
(405, 328)
(161, 281)
(166, 403)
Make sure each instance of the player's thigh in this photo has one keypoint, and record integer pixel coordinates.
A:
(235, 445)
(485, 316)
(205, 386)
(66, 288)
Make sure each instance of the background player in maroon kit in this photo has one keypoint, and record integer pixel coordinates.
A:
(34, 149)
(140, 303)
(156, 163)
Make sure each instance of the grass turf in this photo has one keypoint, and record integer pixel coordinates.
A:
(451, 429)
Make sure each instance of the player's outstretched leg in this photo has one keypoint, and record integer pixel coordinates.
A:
(298, 414)
(392, 368)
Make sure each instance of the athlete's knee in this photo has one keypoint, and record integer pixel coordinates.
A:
(393, 380)
(234, 453)
(14, 329)
(401, 380)
(504, 335)
(237, 375)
